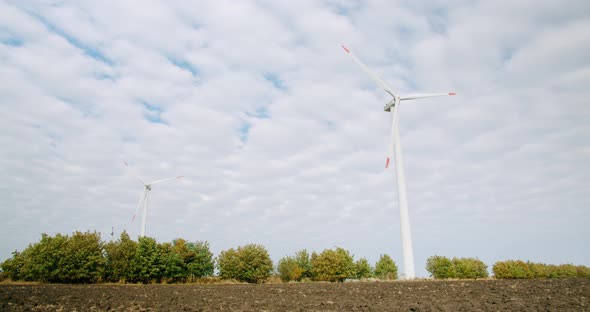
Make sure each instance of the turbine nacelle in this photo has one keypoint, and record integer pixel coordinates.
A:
(391, 104)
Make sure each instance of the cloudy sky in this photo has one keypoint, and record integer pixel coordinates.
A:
(282, 138)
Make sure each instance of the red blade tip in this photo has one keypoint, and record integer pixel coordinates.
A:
(452, 93)
(387, 163)
(345, 49)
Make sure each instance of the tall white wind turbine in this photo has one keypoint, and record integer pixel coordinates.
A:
(395, 149)
(143, 200)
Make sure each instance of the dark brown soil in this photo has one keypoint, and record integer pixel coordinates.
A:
(486, 295)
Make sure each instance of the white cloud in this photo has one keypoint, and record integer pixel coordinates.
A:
(282, 138)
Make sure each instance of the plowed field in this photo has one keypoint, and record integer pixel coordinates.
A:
(485, 295)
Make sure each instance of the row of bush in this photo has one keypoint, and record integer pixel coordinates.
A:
(442, 267)
(333, 265)
(516, 269)
(84, 258)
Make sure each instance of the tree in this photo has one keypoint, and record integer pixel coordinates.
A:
(189, 260)
(171, 266)
(82, 259)
(41, 260)
(118, 256)
(443, 267)
(333, 265)
(12, 267)
(228, 264)
(199, 260)
(145, 265)
(250, 263)
(289, 269)
(304, 262)
(362, 268)
(385, 268)
(440, 267)
(469, 268)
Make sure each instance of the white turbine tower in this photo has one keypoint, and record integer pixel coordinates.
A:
(143, 200)
(395, 149)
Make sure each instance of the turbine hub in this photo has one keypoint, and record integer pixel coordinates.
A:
(148, 187)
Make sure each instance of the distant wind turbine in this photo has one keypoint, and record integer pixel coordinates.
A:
(395, 149)
(143, 200)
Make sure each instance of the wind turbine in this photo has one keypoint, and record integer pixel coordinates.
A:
(395, 149)
(143, 200)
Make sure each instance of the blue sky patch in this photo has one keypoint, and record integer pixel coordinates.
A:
(244, 131)
(343, 9)
(275, 80)
(13, 42)
(404, 33)
(184, 65)
(330, 125)
(261, 113)
(507, 54)
(92, 52)
(103, 76)
(153, 113)
(87, 109)
(438, 20)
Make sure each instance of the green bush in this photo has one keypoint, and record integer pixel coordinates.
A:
(289, 269)
(146, 262)
(385, 268)
(564, 271)
(296, 267)
(59, 259)
(332, 265)
(582, 271)
(470, 268)
(82, 260)
(539, 270)
(250, 263)
(12, 267)
(440, 267)
(362, 268)
(304, 262)
(197, 259)
(42, 259)
(228, 264)
(118, 256)
(172, 268)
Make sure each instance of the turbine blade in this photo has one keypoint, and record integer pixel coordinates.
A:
(424, 95)
(142, 198)
(164, 180)
(376, 78)
(133, 174)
